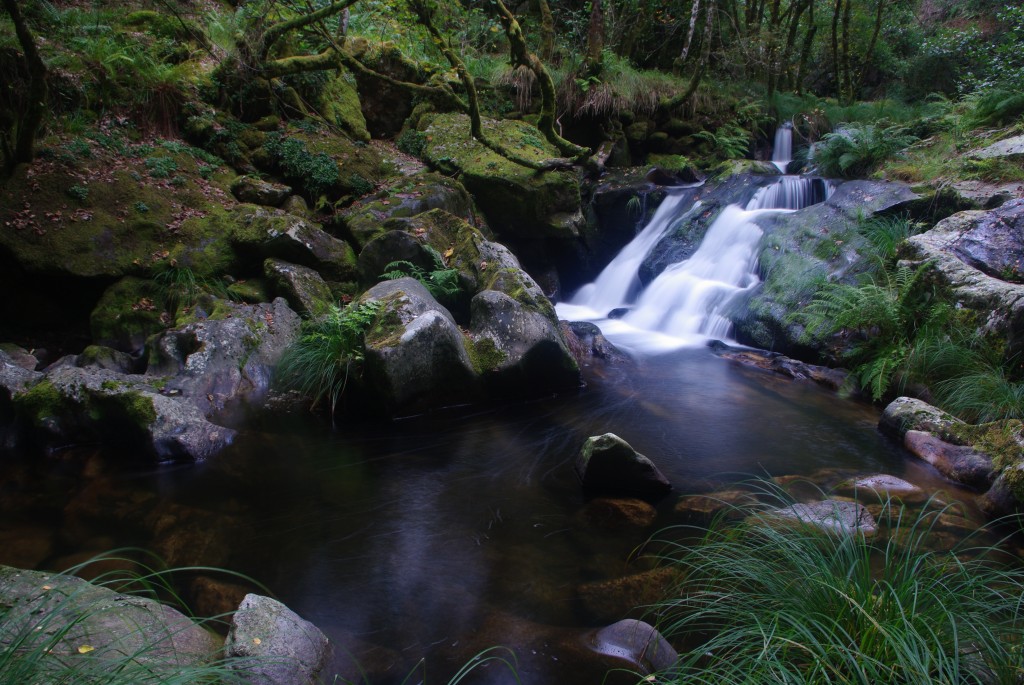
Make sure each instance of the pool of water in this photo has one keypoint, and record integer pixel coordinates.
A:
(437, 536)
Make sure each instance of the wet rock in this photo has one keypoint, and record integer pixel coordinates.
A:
(100, 357)
(730, 503)
(884, 485)
(587, 342)
(907, 413)
(78, 615)
(960, 464)
(978, 255)
(255, 190)
(215, 596)
(782, 365)
(272, 233)
(1004, 497)
(636, 642)
(607, 465)
(305, 290)
(127, 314)
(289, 649)
(104, 504)
(189, 536)
(610, 600)
(415, 355)
(980, 194)
(619, 514)
(832, 516)
(19, 356)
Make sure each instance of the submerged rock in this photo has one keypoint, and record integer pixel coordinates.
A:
(276, 646)
(636, 642)
(608, 600)
(607, 465)
(959, 463)
(832, 516)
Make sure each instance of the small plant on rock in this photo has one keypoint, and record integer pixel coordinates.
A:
(441, 281)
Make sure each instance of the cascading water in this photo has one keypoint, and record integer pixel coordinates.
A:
(690, 301)
(782, 152)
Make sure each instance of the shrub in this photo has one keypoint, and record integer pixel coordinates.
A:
(318, 172)
(161, 167)
(328, 351)
(412, 142)
(766, 601)
(857, 150)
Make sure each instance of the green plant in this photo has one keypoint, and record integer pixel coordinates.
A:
(856, 150)
(729, 141)
(161, 167)
(328, 351)
(141, 207)
(412, 142)
(767, 600)
(79, 192)
(886, 233)
(880, 319)
(441, 281)
(317, 172)
(180, 287)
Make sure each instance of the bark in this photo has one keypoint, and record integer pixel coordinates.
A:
(700, 67)
(595, 39)
(694, 12)
(869, 55)
(274, 33)
(805, 52)
(837, 72)
(787, 54)
(847, 96)
(547, 31)
(521, 56)
(27, 124)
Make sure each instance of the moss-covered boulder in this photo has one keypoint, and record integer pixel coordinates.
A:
(127, 314)
(339, 104)
(262, 233)
(259, 191)
(518, 202)
(385, 106)
(608, 465)
(406, 197)
(305, 291)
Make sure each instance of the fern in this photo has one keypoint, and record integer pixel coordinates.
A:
(855, 150)
(329, 349)
(441, 281)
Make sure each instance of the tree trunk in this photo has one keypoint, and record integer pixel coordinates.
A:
(27, 122)
(595, 40)
(845, 49)
(547, 31)
(694, 12)
(702, 62)
(837, 72)
(869, 55)
(805, 52)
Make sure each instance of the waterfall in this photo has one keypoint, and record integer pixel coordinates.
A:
(690, 302)
(782, 152)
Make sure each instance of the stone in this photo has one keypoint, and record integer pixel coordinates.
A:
(415, 353)
(608, 600)
(732, 504)
(783, 365)
(958, 463)
(619, 513)
(884, 484)
(1009, 148)
(307, 293)
(100, 357)
(832, 516)
(273, 645)
(607, 465)
(255, 190)
(75, 615)
(586, 342)
(908, 413)
(19, 356)
(637, 642)
(127, 314)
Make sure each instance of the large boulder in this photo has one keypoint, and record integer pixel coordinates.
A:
(519, 203)
(305, 290)
(959, 463)
(979, 255)
(272, 645)
(82, 630)
(607, 465)
(638, 643)
(415, 354)
(837, 517)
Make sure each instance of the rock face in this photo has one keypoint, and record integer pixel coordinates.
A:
(276, 646)
(607, 465)
(980, 256)
(195, 370)
(87, 629)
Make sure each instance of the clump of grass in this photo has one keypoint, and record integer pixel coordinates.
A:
(328, 351)
(764, 602)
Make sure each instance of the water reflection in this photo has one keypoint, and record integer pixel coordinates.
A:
(444, 534)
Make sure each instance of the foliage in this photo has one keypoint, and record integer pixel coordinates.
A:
(161, 167)
(767, 601)
(886, 233)
(411, 142)
(729, 142)
(317, 172)
(328, 351)
(997, 107)
(856, 150)
(881, 319)
(180, 287)
(441, 281)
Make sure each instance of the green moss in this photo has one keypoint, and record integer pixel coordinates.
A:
(43, 401)
(127, 313)
(485, 355)
(339, 104)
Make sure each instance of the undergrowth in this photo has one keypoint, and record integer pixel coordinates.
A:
(441, 281)
(768, 601)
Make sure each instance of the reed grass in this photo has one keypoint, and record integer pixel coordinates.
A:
(768, 603)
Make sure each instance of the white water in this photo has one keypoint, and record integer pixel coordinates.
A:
(690, 302)
(782, 152)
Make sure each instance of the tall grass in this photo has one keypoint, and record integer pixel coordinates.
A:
(765, 602)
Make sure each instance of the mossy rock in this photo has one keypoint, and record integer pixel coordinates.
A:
(517, 201)
(339, 104)
(162, 25)
(123, 222)
(406, 197)
(127, 314)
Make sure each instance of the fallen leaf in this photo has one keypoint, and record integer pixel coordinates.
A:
(85, 649)
(256, 641)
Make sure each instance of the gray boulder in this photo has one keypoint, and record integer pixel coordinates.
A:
(636, 642)
(907, 413)
(1010, 148)
(83, 631)
(272, 233)
(415, 354)
(255, 190)
(305, 290)
(979, 255)
(832, 516)
(607, 465)
(272, 645)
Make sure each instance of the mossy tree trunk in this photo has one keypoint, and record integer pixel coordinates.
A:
(26, 122)
(702, 62)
